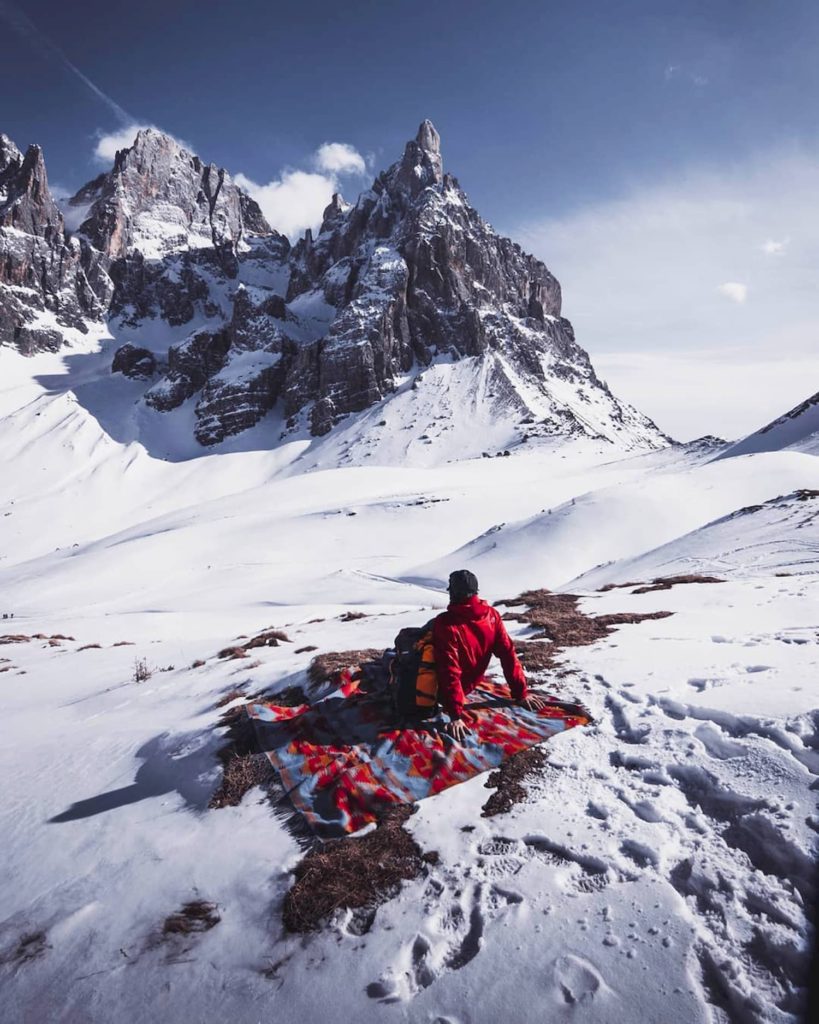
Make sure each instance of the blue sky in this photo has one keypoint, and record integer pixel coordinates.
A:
(658, 156)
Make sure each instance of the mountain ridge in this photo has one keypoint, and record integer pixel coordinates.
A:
(407, 277)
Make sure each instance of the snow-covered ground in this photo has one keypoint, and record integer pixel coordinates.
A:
(658, 871)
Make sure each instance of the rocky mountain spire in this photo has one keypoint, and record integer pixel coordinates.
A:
(25, 200)
(47, 283)
(160, 198)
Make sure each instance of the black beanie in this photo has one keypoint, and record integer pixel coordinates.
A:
(462, 584)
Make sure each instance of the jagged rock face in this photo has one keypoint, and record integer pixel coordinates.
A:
(47, 282)
(135, 362)
(172, 227)
(159, 198)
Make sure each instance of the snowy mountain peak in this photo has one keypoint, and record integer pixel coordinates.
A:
(797, 430)
(160, 198)
(422, 164)
(406, 299)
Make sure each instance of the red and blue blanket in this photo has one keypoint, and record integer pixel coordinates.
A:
(343, 761)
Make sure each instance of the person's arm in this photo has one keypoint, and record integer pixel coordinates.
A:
(448, 670)
(504, 649)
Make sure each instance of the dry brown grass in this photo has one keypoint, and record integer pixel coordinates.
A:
(16, 638)
(141, 670)
(28, 947)
(90, 647)
(230, 696)
(267, 638)
(507, 780)
(305, 650)
(193, 917)
(352, 616)
(241, 773)
(354, 873)
(123, 643)
(198, 663)
(562, 622)
(324, 667)
(660, 583)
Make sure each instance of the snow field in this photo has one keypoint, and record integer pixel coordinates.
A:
(660, 867)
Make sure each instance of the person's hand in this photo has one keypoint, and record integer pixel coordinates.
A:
(534, 702)
(458, 730)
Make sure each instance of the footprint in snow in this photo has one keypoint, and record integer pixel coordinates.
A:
(576, 979)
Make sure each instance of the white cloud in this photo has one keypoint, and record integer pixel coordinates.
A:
(639, 277)
(734, 290)
(109, 143)
(339, 158)
(296, 199)
(293, 202)
(774, 248)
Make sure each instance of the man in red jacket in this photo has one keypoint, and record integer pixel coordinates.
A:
(465, 637)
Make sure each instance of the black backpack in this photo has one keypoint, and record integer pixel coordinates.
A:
(412, 673)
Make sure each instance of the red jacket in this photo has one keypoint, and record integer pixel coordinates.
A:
(465, 637)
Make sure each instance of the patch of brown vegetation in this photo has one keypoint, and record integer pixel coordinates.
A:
(353, 873)
(198, 663)
(267, 638)
(142, 672)
(325, 666)
(661, 583)
(28, 947)
(240, 774)
(6, 668)
(305, 650)
(805, 494)
(123, 643)
(536, 655)
(229, 697)
(90, 647)
(196, 916)
(507, 780)
(59, 636)
(352, 616)
(562, 622)
(16, 638)
(243, 765)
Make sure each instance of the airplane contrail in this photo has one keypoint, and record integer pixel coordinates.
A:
(29, 31)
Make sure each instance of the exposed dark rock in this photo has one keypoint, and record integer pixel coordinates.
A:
(134, 362)
(47, 281)
(190, 364)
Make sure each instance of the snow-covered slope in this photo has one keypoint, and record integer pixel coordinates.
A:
(797, 430)
(660, 866)
(670, 498)
(776, 538)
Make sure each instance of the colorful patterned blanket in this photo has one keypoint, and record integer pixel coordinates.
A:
(343, 762)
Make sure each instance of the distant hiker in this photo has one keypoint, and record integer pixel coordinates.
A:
(464, 638)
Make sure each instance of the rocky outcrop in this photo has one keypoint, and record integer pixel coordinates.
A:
(48, 283)
(190, 364)
(175, 230)
(159, 198)
(134, 362)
